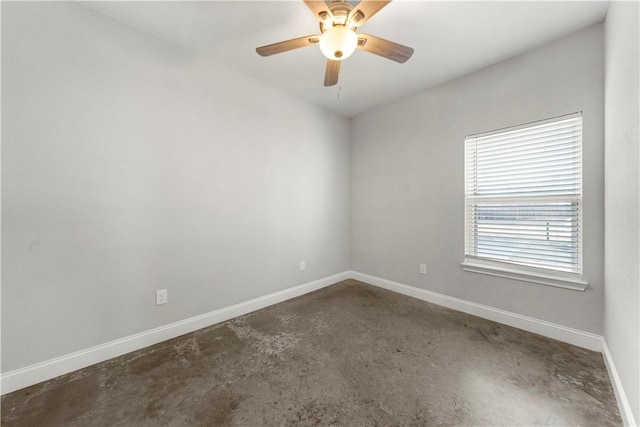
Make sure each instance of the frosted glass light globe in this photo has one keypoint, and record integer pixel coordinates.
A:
(338, 43)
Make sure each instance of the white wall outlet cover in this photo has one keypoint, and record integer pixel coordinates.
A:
(303, 265)
(161, 297)
(423, 268)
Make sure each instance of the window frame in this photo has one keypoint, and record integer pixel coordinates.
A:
(514, 270)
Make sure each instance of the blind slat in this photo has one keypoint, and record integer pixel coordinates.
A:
(539, 172)
(549, 156)
(546, 141)
(528, 139)
(558, 164)
(530, 255)
(531, 243)
(532, 129)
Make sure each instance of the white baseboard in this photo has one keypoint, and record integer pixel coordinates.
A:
(621, 396)
(30, 375)
(561, 333)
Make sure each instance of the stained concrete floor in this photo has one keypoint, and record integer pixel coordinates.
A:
(350, 354)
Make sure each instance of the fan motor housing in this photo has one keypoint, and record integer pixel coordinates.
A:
(340, 10)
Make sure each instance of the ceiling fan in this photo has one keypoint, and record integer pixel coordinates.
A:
(338, 39)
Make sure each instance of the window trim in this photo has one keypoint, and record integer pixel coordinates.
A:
(537, 275)
(525, 274)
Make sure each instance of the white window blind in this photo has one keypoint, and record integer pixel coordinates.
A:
(523, 195)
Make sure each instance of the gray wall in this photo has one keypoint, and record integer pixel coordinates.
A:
(407, 177)
(622, 196)
(128, 166)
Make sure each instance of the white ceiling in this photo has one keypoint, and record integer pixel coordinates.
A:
(450, 39)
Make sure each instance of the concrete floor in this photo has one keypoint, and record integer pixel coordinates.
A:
(350, 354)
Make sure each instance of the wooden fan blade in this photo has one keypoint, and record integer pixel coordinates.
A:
(365, 10)
(320, 9)
(385, 48)
(272, 49)
(331, 75)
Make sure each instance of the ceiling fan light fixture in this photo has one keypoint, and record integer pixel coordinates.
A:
(339, 20)
(338, 42)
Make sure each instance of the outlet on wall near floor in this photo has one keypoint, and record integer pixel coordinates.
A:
(303, 265)
(423, 268)
(161, 297)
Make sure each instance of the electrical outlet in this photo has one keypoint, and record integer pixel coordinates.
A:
(423, 268)
(161, 297)
(303, 265)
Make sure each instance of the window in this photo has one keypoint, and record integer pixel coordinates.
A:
(523, 202)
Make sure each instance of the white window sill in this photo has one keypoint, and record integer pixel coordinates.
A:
(521, 274)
